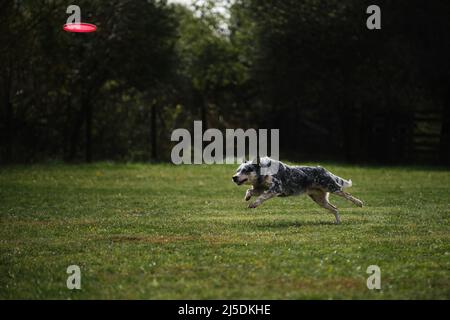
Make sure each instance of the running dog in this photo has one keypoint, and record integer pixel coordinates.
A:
(316, 182)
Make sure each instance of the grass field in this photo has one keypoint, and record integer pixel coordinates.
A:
(178, 232)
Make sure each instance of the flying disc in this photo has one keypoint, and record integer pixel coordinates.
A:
(80, 27)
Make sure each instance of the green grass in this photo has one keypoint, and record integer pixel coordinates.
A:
(179, 232)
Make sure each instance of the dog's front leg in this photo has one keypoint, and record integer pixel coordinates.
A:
(252, 192)
(263, 197)
(248, 194)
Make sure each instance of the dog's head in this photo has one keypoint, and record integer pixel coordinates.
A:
(246, 173)
(251, 172)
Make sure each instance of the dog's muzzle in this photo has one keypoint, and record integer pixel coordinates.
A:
(237, 181)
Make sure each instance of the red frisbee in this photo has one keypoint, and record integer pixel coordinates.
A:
(80, 27)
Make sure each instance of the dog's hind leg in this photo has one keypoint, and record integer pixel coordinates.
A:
(349, 197)
(321, 198)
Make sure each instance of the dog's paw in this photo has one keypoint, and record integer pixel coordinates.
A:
(247, 197)
(359, 203)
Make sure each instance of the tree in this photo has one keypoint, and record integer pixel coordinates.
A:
(209, 60)
(65, 76)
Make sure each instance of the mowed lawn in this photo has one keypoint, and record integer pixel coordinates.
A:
(142, 231)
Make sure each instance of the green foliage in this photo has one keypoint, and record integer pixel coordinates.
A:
(209, 62)
(309, 67)
(324, 76)
(184, 232)
(57, 83)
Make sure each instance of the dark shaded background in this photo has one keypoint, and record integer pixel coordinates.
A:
(336, 90)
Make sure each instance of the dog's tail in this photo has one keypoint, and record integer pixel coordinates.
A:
(342, 183)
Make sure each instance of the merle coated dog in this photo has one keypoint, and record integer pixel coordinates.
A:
(285, 180)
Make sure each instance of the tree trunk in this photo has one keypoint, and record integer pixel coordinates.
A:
(88, 128)
(8, 128)
(153, 132)
(74, 137)
(445, 132)
(204, 113)
(8, 121)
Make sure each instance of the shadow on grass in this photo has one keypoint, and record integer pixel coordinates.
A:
(283, 224)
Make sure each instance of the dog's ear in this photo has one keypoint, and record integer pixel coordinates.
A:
(257, 161)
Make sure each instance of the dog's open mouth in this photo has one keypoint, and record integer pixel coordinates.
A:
(241, 182)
